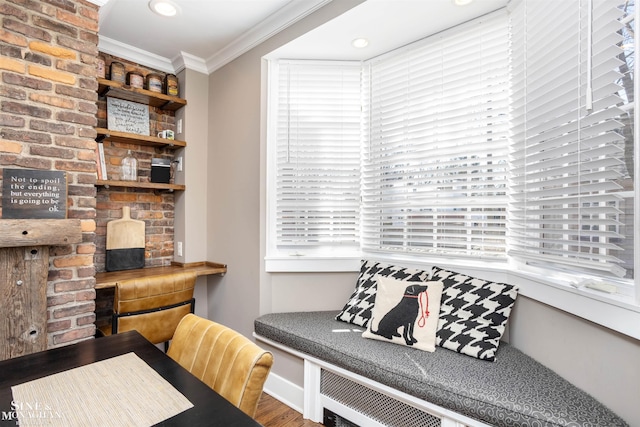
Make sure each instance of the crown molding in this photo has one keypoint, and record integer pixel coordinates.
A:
(188, 61)
(287, 16)
(131, 53)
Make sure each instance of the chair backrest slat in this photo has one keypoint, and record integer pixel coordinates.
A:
(153, 305)
(222, 358)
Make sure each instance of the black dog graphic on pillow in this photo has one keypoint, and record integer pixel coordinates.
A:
(404, 314)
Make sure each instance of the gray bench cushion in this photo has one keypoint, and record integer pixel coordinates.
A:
(515, 390)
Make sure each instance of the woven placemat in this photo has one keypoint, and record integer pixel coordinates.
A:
(121, 391)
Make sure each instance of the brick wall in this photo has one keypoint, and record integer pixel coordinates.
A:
(48, 110)
(156, 208)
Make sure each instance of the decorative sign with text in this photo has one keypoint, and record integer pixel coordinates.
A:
(37, 194)
(127, 116)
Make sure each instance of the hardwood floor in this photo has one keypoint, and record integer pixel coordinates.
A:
(273, 413)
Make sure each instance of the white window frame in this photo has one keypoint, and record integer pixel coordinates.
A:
(294, 259)
(435, 149)
(617, 312)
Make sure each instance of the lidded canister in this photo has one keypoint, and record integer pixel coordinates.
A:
(154, 82)
(171, 84)
(117, 72)
(135, 79)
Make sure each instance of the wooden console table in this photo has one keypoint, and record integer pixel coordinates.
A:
(109, 279)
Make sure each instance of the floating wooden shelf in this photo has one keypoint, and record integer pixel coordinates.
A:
(136, 184)
(159, 100)
(142, 96)
(132, 138)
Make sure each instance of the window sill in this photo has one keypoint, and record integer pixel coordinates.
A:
(312, 264)
(615, 312)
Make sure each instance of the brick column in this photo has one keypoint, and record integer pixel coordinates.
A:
(48, 96)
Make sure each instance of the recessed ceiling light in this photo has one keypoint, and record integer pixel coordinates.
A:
(164, 7)
(461, 2)
(360, 43)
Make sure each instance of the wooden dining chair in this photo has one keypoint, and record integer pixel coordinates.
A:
(228, 362)
(153, 306)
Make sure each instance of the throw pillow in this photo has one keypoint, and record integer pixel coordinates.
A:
(357, 310)
(406, 313)
(473, 313)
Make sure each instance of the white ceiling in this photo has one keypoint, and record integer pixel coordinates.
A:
(206, 34)
(387, 24)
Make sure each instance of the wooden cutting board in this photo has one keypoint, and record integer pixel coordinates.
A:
(125, 243)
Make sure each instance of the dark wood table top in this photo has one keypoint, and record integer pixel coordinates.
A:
(210, 409)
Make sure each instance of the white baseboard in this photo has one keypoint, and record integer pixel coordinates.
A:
(285, 391)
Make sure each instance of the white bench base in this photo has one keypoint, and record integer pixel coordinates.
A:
(363, 401)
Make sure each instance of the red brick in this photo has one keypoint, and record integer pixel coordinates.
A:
(67, 5)
(88, 191)
(28, 82)
(73, 310)
(88, 295)
(12, 92)
(60, 299)
(51, 152)
(11, 120)
(90, 12)
(60, 274)
(55, 26)
(63, 165)
(78, 21)
(78, 45)
(72, 261)
(88, 272)
(86, 320)
(10, 147)
(37, 59)
(10, 10)
(49, 127)
(26, 30)
(19, 108)
(74, 335)
(56, 101)
(12, 38)
(59, 325)
(71, 142)
(70, 117)
(33, 163)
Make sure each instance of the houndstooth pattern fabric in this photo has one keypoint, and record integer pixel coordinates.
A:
(358, 308)
(473, 313)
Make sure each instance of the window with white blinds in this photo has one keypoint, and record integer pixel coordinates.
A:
(318, 156)
(572, 164)
(436, 149)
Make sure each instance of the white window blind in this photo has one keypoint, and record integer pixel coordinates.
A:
(435, 161)
(572, 165)
(318, 155)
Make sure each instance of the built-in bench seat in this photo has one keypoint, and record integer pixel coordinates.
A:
(452, 388)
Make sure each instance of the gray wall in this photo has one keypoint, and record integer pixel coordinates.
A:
(235, 178)
(195, 116)
(602, 362)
